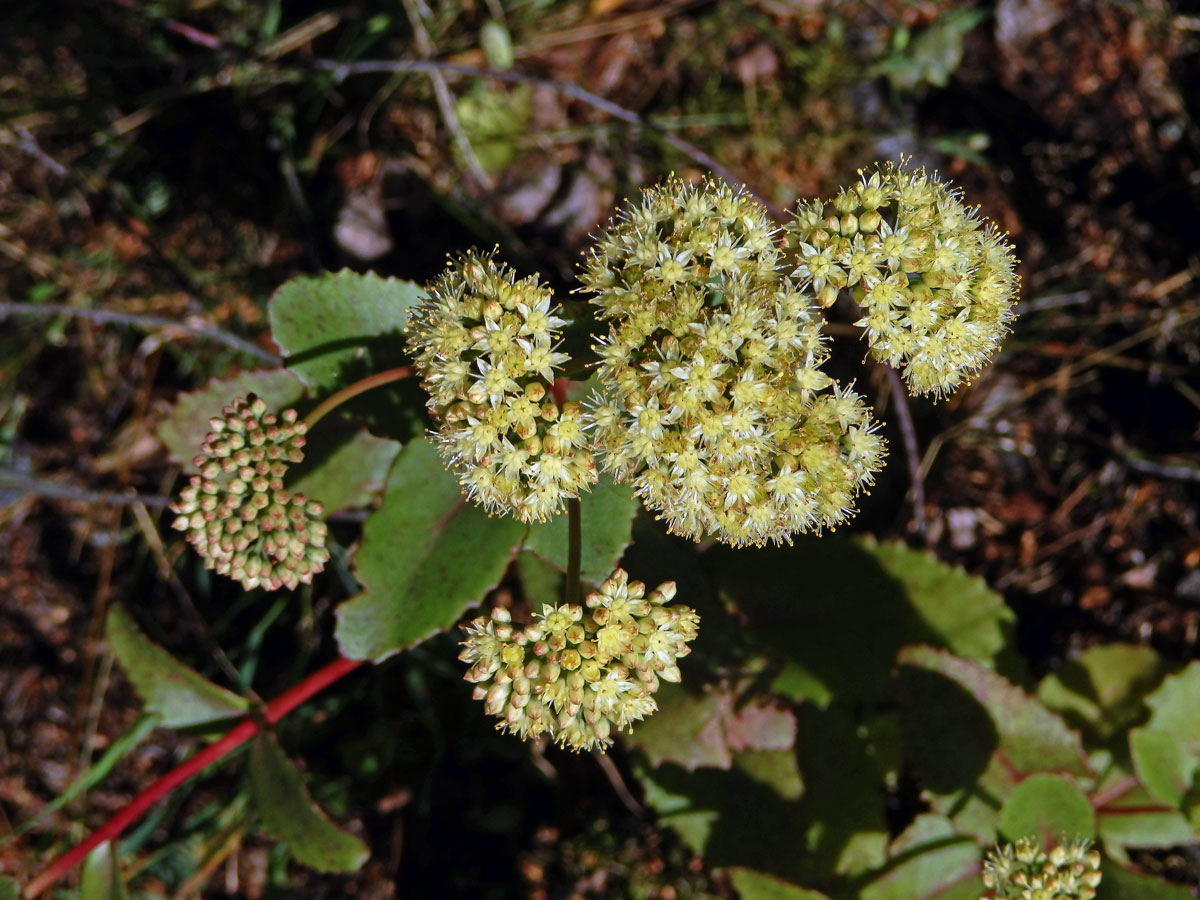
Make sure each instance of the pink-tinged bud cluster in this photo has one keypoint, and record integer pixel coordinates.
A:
(236, 512)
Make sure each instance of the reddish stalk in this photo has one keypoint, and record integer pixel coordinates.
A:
(351, 391)
(242, 732)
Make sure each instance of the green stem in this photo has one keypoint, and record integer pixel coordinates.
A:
(574, 550)
(351, 391)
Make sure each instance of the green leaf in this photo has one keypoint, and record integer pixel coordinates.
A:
(694, 730)
(778, 769)
(838, 611)
(1136, 819)
(289, 814)
(101, 876)
(1049, 808)
(494, 120)
(185, 427)
(730, 817)
(1118, 883)
(338, 328)
(969, 617)
(607, 518)
(845, 830)
(324, 323)
(934, 54)
(180, 696)
(1032, 738)
(540, 581)
(1102, 692)
(343, 472)
(930, 861)
(9, 889)
(427, 554)
(752, 885)
(1174, 709)
(1164, 764)
(970, 736)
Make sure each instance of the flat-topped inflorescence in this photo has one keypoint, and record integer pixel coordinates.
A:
(579, 672)
(935, 282)
(715, 405)
(486, 346)
(236, 512)
(1024, 871)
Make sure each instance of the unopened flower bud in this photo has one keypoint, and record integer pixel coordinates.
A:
(578, 690)
(219, 514)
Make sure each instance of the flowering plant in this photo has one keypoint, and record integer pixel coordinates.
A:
(833, 674)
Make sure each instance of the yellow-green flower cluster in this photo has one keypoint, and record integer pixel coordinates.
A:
(236, 512)
(1071, 871)
(577, 673)
(715, 404)
(485, 344)
(935, 283)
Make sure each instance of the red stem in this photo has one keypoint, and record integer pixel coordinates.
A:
(1120, 789)
(242, 732)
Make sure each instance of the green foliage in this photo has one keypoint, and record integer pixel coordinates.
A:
(1166, 752)
(608, 509)
(426, 556)
(101, 876)
(1102, 691)
(928, 860)
(933, 55)
(343, 473)
(1048, 808)
(184, 429)
(337, 328)
(708, 730)
(855, 721)
(752, 885)
(178, 695)
(905, 595)
(494, 120)
(325, 324)
(289, 814)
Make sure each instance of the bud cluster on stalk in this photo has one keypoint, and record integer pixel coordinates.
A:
(577, 673)
(486, 346)
(1024, 871)
(236, 512)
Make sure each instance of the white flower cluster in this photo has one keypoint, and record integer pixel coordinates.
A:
(935, 283)
(575, 674)
(715, 404)
(486, 346)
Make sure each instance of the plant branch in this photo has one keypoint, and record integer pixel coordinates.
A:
(57, 490)
(445, 100)
(1114, 792)
(912, 450)
(343, 70)
(112, 317)
(349, 392)
(242, 732)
